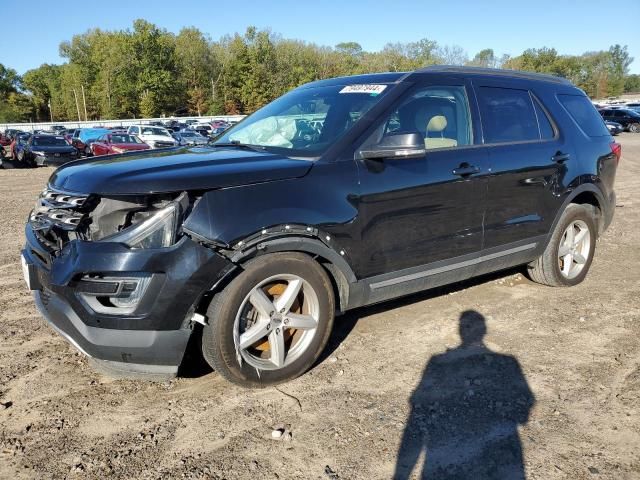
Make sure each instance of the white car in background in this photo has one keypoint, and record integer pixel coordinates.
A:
(155, 137)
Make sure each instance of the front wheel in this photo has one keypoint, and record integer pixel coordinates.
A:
(271, 323)
(634, 128)
(568, 256)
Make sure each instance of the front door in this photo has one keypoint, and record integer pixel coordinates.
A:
(414, 212)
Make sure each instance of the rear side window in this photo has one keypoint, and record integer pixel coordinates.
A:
(584, 114)
(508, 115)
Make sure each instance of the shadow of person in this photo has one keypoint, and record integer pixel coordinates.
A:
(465, 412)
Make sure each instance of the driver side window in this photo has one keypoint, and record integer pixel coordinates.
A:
(440, 114)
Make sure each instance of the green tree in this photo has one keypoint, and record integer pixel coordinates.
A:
(14, 105)
(484, 58)
(154, 60)
(196, 69)
(632, 83)
(619, 61)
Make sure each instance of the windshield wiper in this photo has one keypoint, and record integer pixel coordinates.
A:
(236, 143)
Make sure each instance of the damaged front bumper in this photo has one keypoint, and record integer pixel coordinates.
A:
(147, 339)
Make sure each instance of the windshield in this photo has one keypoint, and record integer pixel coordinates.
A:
(123, 138)
(190, 134)
(306, 121)
(155, 131)
(49, 142)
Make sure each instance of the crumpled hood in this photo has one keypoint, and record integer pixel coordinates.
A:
(173, 170)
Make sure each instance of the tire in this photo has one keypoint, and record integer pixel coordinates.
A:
(255, 365)
(548, 269)
(634, 128)
(87, 151)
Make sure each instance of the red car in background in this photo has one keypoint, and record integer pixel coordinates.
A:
(111, 143)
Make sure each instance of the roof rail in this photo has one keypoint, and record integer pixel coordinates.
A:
(502, 72)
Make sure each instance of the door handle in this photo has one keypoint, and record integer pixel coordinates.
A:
(465, 169)
(561, 157)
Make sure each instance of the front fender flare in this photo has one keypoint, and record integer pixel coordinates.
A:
(337, 266)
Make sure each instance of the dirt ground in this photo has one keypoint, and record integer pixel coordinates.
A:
(555, 385)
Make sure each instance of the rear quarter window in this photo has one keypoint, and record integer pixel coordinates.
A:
(584, 114)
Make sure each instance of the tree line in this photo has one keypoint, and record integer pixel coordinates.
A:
(147, 71)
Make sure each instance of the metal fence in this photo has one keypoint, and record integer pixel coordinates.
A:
(29, 127)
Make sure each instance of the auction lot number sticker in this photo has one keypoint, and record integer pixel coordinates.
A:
(364, 88)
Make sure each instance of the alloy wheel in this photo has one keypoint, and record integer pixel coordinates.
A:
(276, 322)
(574, 249)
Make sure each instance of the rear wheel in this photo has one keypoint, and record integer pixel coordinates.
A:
(271, 323)
(634, 127)
(568, 256)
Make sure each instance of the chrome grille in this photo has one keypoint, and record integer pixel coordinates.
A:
(57, 209)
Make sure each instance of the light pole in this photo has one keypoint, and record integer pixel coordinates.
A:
(77, 105)
(84, 102)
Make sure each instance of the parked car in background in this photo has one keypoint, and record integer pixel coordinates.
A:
(614, 128)
(190, 137)
(203, 129)
(179, 126)
(43, 150)
(18, 142)
(155, 137)
(67, 133)
(220, 124)
(11, 132)
(83, 137)
(57, 129)
(112, 143)
(263, 237)
(634, 106)
(629, 119)
(218, 130)
(5, 142)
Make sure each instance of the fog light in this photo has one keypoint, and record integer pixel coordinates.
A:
(113, 295)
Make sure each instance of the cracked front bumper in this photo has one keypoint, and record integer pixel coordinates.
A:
(149, 341)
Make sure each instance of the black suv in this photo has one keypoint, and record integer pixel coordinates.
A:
(628, 118)
(342, 193)
(42, 150)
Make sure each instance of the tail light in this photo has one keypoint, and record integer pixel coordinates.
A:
(616, 149)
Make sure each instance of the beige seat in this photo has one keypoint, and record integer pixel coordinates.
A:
(436, 126)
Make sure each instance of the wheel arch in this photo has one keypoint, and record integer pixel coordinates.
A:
(583, 194)
(340, 273)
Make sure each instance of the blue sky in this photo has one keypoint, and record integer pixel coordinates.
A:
(31, 30)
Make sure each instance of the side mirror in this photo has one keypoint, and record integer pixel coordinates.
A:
(397, 145)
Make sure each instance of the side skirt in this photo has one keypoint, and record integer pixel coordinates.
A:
(415, 279)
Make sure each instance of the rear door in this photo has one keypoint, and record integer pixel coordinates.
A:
(528, 157)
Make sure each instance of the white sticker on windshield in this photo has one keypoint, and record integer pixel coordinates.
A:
(362, 88)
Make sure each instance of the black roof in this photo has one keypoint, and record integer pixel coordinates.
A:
(394, 77)
(497, 72)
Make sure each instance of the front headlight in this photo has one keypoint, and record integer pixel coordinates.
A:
(157, 231)
(39, 153)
